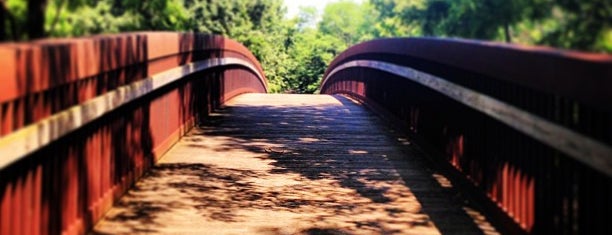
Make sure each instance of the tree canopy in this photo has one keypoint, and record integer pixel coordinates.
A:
(571, 24)
(295, 51)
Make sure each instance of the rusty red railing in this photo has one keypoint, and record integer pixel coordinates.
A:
(81, 119)
(528, 129)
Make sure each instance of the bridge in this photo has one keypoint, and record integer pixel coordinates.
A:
(159, 132)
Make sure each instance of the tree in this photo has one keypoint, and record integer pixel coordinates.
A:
(295, 52)
(343, 19)
(307, 18)
(585, 25)
(481, 19)
(14, 12)
(573, 24)
(309, 57)
(391, 18)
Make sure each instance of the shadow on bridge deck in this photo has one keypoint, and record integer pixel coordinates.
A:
(293, 164)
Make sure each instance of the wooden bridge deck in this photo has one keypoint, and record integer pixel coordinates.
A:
(293, 164)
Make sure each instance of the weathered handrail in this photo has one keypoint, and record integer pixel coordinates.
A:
(81, 119)
(582, 76)
(500, 114)
(45, 64)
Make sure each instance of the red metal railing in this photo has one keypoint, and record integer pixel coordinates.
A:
(528, 128)
(81, 119)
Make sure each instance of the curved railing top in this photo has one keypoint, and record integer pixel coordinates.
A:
(53, 87)
(39, 65)
(491, 78)
(527, 127)
(586, 77)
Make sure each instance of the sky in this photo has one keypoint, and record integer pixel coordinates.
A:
(293, 6)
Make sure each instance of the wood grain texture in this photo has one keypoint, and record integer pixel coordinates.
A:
(293, 164)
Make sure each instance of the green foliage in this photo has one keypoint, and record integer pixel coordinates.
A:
(309, 56)
(582, 25)
(342, 19)
(572, 24)
(295, 52)
(307, 17)
(391, 18)
(310, 47)
(92, 19)
(17, 10)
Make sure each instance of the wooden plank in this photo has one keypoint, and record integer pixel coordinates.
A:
(260, 179)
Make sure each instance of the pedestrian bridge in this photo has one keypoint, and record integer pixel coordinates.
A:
(173, 133)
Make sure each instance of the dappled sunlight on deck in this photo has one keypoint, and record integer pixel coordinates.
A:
(278, 164)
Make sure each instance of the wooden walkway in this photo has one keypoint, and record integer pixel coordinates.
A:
(293, 164)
